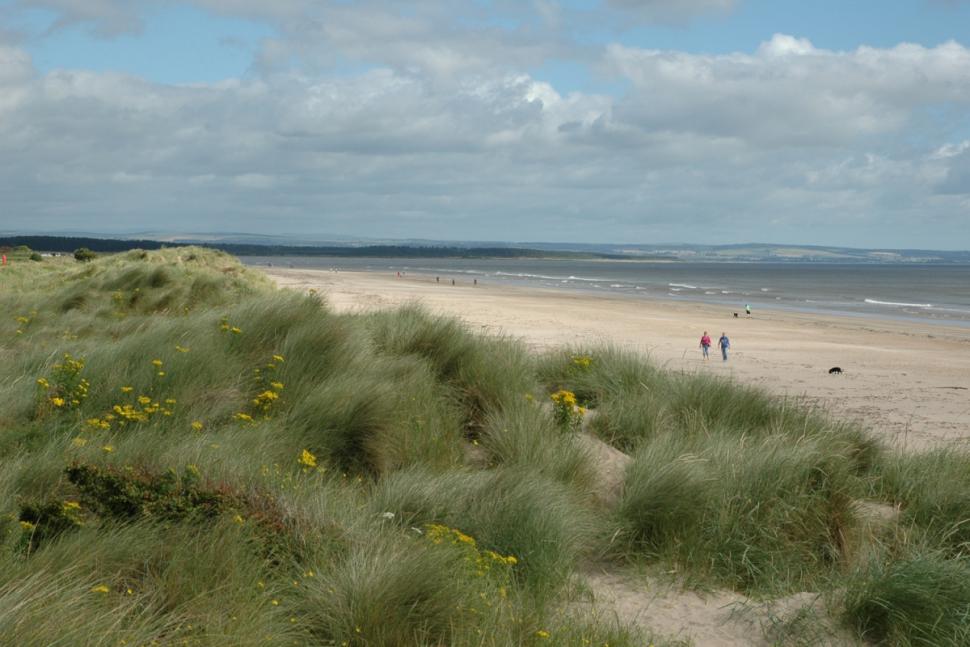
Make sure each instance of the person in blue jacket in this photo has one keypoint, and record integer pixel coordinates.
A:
(724, 343)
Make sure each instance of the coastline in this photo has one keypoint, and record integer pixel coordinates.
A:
(913, 295)
(907, 382)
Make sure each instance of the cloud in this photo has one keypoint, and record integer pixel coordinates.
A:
(107, 18)
(789, 92)
(956, 158)
(418, 121)
(666, 11)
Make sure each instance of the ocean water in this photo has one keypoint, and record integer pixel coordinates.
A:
(939, 293)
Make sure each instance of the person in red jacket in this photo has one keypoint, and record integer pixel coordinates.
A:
(705, 344)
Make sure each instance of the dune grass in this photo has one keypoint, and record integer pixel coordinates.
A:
(922, 598)
(189, 456)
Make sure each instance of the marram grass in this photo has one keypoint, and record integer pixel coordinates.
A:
(190, 456)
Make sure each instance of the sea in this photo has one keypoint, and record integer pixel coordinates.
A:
(916, 292)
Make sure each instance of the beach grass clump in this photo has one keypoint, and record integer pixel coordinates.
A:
(521, 433)
(635, 402)
(397, 590)
(485, 373)
(932, 491)
(143, 582)
(364, 421)
(758, 517)
(922, 598)
(510, 511)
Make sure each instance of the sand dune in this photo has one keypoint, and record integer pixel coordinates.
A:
(908, 383)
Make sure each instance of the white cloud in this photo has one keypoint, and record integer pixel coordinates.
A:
(789, 92)
(419, 124)
(666, 11)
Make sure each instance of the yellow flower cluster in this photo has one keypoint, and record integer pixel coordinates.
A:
(267, 392)
(483, 562)
(143, 408)
(565, 398)
(225, 326)
(582, 361)
(65, 389)
(263, 401)
(23, 321)
(307, 459)
(565, 410)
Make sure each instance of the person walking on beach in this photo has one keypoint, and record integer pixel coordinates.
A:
(705, 344)
(747, 309)
(724, 343)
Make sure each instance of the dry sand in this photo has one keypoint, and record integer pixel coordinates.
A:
(909, 383)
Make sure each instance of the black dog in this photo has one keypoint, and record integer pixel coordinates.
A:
(735, 315)
(835, 370)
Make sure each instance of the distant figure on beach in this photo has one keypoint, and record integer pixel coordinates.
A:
(437, 279)
(705, 344)
(452, 281)
(476, 282)
(747, 309)
(724, 343)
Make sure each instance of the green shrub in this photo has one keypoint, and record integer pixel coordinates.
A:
(83, 255)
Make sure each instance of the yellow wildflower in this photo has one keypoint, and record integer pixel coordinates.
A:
(157, 363)
(71, 505)
(79, 442)
(26, 525)
(277, 385)
(234, 330)
(307, 459)
(58, 402)
(170, 401)
(542, 633)
(238, 519)
(100, 588)
(107, 449)
(182, 349)
(43, 383)
(127, 389)
(196, 425)
(144, 399)
(278, 358)
(245, 417)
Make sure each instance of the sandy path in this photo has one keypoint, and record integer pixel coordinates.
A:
(909, 383)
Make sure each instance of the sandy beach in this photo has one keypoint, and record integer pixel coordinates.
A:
(908, 383)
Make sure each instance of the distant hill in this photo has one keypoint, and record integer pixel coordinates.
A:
(67, 244)
(257, 245)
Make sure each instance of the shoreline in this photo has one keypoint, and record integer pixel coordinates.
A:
(890, 307)
(907, 382)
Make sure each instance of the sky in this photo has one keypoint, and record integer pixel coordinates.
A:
(599, 121)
